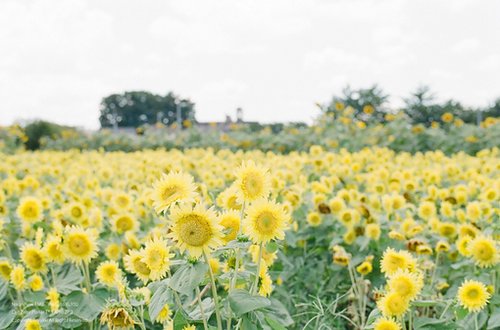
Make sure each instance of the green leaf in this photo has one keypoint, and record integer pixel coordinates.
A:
(494, 322)
(179, 321)
(160, 297)
(279, 312)
(374, 314)
(275, 325)
(4, 287)
(424, 303)
(247, 324)
(188, 277)
(461, 313)
(6, 318)
(68, 279)
(272, 247)
(86, 306)
(242, 302)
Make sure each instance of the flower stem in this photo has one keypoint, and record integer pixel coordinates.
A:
(214, 292)
(475, 322)
(257, 271)
(198, 296)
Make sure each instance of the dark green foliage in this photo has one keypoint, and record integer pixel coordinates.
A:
(36, 130)
(133, 109)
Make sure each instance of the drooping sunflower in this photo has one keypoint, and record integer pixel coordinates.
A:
(407, 285)
(230, 220)
(393, 305)
(484, 251)
(30, 209)
(80, 245)
(156, 255)
(108, 273)
(117, 315)
(172, 188)
(252, 182)
(393, 260)
(384, 323)
(195, 229)
(265, 220)
(473, 295)
(134, 264)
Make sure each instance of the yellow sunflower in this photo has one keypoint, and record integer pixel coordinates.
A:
(17, 278)
(33, 257)
(80, 245)
(5, 269)
(122, 223)
(384, 323)
(473, 295)
(484, 251)
(393, 304)
(156, 255)
(252, 182)
(30, 209)
(265, 220)
(230, 220)
(393, 260)
(195, 229)
(407, 285)
(108, 273)
(134, 264)
(172, 188)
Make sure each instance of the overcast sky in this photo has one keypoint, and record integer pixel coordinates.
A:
(273, 58)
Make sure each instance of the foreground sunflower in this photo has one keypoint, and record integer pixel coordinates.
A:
(473, 295)
(386, 324)
(393, 260)
(195, 229)
(172, 188)
(393, 304)
(265, 220)
(80, 245)
(407, 285)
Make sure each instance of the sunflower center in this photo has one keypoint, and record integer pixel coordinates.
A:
(34, 260)
(79, 245)
(266, 222)
(170, 192)
(252, 184)
(76, 212)
(473, 293)
(195, 230)
(141, 267)
(484, 251)
(124, 224)
(30, 211)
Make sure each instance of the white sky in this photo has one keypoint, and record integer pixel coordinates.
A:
(274, 58)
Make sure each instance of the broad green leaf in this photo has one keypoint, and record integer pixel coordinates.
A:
(188, 277)
(242, 302)
(275, 325)
(160, 297)
(494, 321)
(278, 312)
(6, 318)
(179, 321)
(86, 306)
(68, 279)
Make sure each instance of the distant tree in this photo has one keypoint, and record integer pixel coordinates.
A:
(136, 108)
(38, 129)
(368, 103)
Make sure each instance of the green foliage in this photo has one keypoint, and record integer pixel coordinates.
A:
(133, 109)
(39, 129)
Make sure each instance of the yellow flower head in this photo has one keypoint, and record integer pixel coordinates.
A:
(252, 182)
(53, 298)
(32, 325)
(393, 260)
(33, 257)
(195, 229)
(17, 278)
(393, 305)
(30, 209)
(122, 223)
(36, 282)
(473, 295)
(230, 220)
(484, 251)
(80, 244)
(386, 324)
(5, 269)
(265, 220)
(173, 188)
(407, 285)
(108, 273)
(156, 255)
(134, 264)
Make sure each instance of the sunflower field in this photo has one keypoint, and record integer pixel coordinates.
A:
(219, 239)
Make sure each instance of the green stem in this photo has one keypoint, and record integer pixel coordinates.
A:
(142, 325)
(475, 322)
(198, 296)
(257, 271)
(86, 274)
(214, 292)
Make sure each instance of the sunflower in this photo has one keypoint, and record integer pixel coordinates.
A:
(33, 257)
(463, 245)
(30, 209)
(53, 249)
(484, 251)
(134, 264)
(80, 244)
(156, 255)
(252, 182)
(53, 298)
(473, 295)
(5, 269)
(393, 304)
(31, 324)
(122, 223)
(407, 285)
(108, 273)
(265, 220)
(117, 315)
(228, 199)
(172, 188)
(165, 315)
(195, 229)
(230, 220)
(393, 260)
(314, 219)
(384, 323)
(36, 282)
(17, 278)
